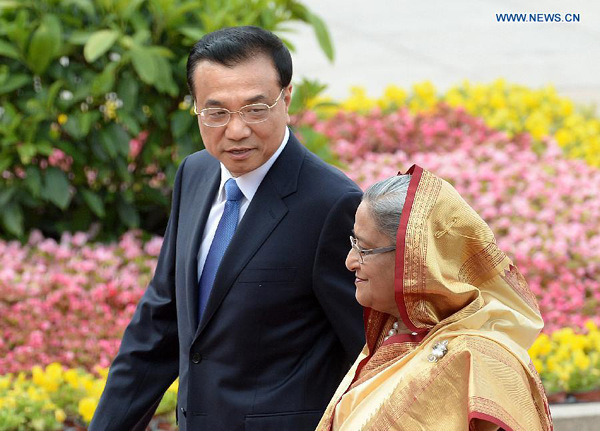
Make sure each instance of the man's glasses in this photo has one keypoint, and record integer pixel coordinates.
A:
(362, 252)
(251, 114)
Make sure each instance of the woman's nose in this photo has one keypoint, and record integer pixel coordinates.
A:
(352, 262)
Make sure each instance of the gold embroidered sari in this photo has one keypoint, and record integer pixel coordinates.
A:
(453, 284)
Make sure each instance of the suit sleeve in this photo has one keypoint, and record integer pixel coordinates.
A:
(148, 359)
(332, 282)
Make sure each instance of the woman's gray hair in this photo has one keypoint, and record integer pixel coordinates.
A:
(385, 201)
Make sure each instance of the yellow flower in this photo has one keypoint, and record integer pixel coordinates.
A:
(539, 365)
(60, 415)
(87, 407)
(72, 378)
(62, 119)
(102, 372)
(580, 360)
(393, 95)
(38, 376)
(358, 101)
(591, 326)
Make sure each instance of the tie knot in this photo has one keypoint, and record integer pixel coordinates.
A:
(232, 191)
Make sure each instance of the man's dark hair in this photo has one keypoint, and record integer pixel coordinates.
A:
(233, 45)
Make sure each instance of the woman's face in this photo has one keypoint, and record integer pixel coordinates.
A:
(375, 277)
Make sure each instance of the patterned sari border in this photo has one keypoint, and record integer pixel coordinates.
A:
(416, 172)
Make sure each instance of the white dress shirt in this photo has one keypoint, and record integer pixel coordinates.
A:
(248, 184)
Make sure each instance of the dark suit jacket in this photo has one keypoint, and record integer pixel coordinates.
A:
(281, 326)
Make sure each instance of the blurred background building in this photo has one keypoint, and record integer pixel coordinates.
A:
(382, 42)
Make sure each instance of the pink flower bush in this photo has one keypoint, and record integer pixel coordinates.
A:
(69, 301)
(543, 208)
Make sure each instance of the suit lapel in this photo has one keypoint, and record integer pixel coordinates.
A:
(204, 190)
(265, 212)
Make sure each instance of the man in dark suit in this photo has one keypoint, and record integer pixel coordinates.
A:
(250, 305)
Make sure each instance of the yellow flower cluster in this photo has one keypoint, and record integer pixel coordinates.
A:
(568, 361)
(503, 106)
(47, 397)
(32, 405)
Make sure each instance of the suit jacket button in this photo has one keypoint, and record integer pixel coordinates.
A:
(196, 358)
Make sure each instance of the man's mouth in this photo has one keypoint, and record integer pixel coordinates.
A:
(239, 153)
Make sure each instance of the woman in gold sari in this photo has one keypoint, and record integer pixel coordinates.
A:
(448, 319)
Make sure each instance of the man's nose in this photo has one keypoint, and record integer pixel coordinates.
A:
(237, 129)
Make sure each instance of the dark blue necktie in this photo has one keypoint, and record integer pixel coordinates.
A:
(223, 235)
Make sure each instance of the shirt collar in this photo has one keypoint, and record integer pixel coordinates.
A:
(250, 181)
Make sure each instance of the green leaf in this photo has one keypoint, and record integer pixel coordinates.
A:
(98, 43)
(144, 64)
(94, 202)
(104, 82)
(130, 123)
(26, 152)
(33, 181)
(180, 123)
(79, 37)
(127, 90)
(56, 188)
(14, 82)
(164, 78)
(19, 30)
(12, 218)
(45, 44)
(9, 4)
(107, 143)
(8, 50)
(128, 214)
(322, 35)
(193, 33)
(6, 195)
(127, 7)
(85, 5)
(119, 138)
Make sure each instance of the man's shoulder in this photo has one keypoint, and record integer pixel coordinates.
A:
(198, 163)
(326, 175)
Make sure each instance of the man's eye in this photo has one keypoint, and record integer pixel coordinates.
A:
(255, 110)
(217, 114)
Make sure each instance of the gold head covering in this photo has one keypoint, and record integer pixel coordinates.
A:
(472, 317)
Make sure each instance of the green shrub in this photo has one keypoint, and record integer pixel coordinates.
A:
(94, 111)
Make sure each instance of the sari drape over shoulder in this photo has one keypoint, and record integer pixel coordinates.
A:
(472, 316)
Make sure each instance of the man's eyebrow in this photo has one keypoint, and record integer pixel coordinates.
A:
(256, 99)
(212, 102)
(249, 101)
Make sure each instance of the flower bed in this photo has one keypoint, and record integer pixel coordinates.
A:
(69, 301)
(569, 361)
(53, 398)
(511, 108)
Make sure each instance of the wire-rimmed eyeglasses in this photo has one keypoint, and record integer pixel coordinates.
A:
(362, 252)
(250, 114)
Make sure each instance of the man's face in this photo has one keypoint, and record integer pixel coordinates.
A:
(241, 147)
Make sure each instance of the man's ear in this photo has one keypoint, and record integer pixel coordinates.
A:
(287, 98)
